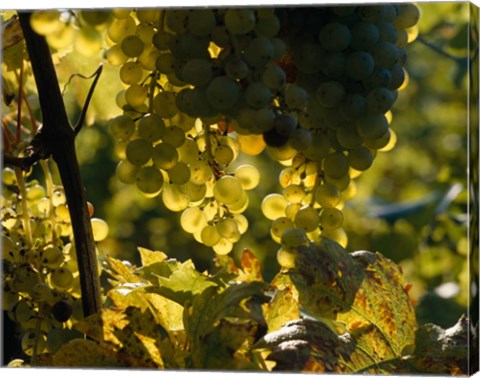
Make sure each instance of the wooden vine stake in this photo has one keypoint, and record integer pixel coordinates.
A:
(56, 138)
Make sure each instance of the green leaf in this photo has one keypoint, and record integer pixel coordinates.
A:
(206, 309)
(149, 257)
(179, 282)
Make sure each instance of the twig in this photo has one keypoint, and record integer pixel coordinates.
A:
(438, 49)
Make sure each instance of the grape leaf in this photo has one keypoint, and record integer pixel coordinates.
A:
(251, 267)
(86, 353)
(149, 257)
(281, 309)
(363, 290)
(121, 272)
(206, 309)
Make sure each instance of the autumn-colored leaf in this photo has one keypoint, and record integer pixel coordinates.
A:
(251, 267)
(281, 309)
(121, 272)
(86, 353)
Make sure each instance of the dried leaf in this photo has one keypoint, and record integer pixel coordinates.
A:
(86, 353)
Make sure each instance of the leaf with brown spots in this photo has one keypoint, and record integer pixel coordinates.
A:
(281, 309)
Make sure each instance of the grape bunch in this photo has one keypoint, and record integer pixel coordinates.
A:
(41, 288)
(314, 86)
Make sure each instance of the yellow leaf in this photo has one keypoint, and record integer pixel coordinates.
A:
(150, 257)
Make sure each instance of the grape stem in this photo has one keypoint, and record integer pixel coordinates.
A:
(439, 50)
(20, 95)
(49, 185)
(24, 203)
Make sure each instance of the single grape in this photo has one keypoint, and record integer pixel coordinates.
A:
(223, 92)
(175, 197)
(274, 77)
(294, 193)
(248, 175)
(197, 72)
(52, 257)
(138, 152)
(359, 65)
(295, 97)
(122, 127)
(149, 180)
(151, 128)
(132, 46)
(239, 21)
(61, 278)
(273, 206)
(279, 226)
(126, 172)
(268, 26)
(364, 35)
(227, 189)
(223, 247)
(179, 174)
(100, 229)
(62, 310)
(286, 259)
(259, 52)
(258, 95)
(200, 172)
(33, 342)
(360, 158)
(164, 156)
(210, 236)
(165, 63)
(228, 229)
(193, 220)
(407, 16)
(331, 218)
(330, 93)
(201, 21)
(372, 127)
(307, 219)
(164, 104)
(336, 165)
(292, 238)
(335, 37)
(223, 154)
(379, 100)
(327, 195)
(135, 95)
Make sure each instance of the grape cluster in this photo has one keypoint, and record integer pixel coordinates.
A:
(41, 288)
(313, 85)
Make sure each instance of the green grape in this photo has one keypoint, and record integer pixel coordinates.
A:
(239, 21)
(341, 182)
(119, 29)
(284, 124)
(8, 176)
(148, 15)
(372, 127)
(387, 32)
(372, 13)
(228, 189)
(222, 92)
(335, 165)
(138, 152)
(9, 298)
(294, 193)
(126, 172)
(201, 22)
(21, 312)
(131, 73)
(354, 106)
(42, 293)
(132, 46)
(237, 69)
(327, 195)
(165, 63)
(61, 278)
(360, 158)
(301, 139)
(359, 65)
(335, 37)
(333, 65)
(52, 257)
(193, 220)
(307, 219)
(386, 54)
(174, 136)
(148, 58)
(25, 279)
(268, 26)
(164, 156)
(379, 100)
(279, 48)
(248, 175)
(200, 172)
(348, 137)
(210, 236)
(273, 206)
(398, 76)
(242, 223)
(279, 226)
(274, 77)
(45, 22)
(120, 13)
(164, 104)
(330, 93)
(114, 55)
(407, 16)
(33, 342)
(220, 36)
(197, 72)
(135, 95)
(223, 247)
(151, 128)
(145, 32)
(286, 259)
(62, 310)
(308, 57)
(122, 127)
(292, 238)
(188, 152)
(240, 205)
(100, 229)
(296, 97)
(331, 218)
(16, 363)
(175, 198)
(9, 249)
(364, 35)
(259, 52)
(223, 155)
(228, 229)
(94, 18)
(176, 19)
(381, 77)
(149, 180)
(179, 174)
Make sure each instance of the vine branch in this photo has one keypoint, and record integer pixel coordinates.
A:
(56, 138)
